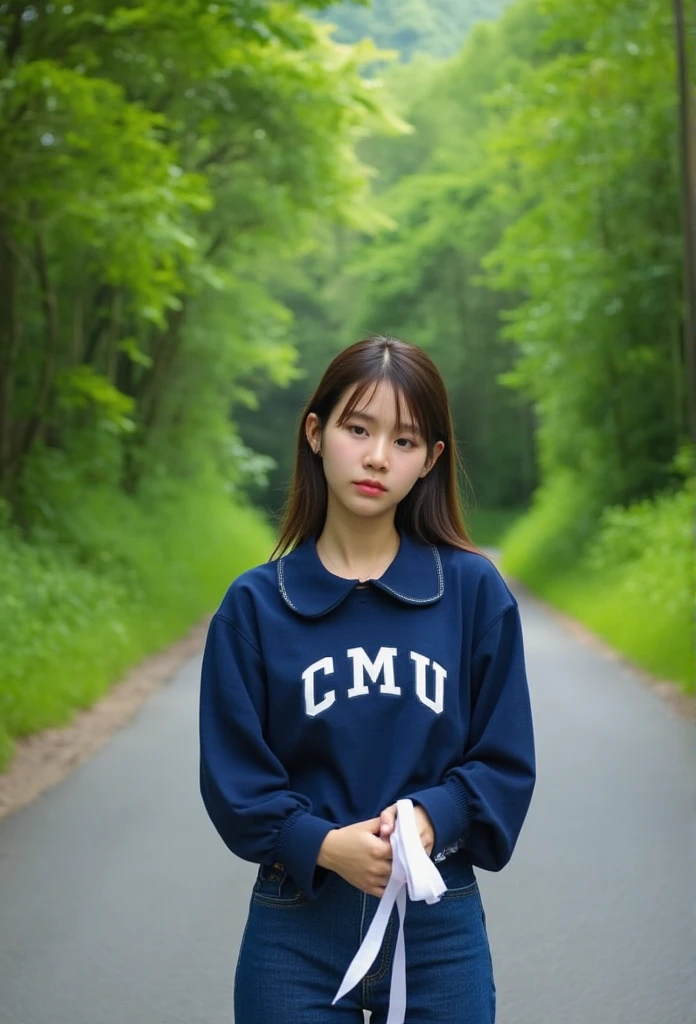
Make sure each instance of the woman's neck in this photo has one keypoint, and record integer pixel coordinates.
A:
(358, 547)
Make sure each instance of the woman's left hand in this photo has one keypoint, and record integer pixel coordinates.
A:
(387, 821)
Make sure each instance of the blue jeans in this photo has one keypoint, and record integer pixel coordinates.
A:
(295, 952)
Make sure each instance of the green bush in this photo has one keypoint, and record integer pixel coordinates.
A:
(488, 527)
(627, 573)
(114, 581)
(542, 545)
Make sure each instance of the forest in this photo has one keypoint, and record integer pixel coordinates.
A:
(200, 203)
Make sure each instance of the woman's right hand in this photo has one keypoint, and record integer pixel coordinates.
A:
(358, 854)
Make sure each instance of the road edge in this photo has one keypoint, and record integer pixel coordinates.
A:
(45, 758)
(682, 703)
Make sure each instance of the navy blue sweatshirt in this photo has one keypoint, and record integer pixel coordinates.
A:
(323, 702)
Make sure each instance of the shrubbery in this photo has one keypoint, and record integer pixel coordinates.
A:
(627, 573)
(112, 582)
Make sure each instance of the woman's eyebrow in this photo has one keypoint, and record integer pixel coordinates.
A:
(410, 428)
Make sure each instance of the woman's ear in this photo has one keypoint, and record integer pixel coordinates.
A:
(437, 451)
(313, 432)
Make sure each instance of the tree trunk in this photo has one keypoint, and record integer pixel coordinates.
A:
(165, 351)
(43, 397)
(9, 345)
(100, 322)
(114, 331)
(687, 138)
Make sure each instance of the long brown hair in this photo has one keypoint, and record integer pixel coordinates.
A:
(431, 511)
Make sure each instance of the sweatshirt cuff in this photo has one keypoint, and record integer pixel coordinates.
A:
(448, 810)
(298, 848)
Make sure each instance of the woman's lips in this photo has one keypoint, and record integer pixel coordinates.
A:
(370, 489)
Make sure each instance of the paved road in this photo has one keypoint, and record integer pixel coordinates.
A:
(119, 905)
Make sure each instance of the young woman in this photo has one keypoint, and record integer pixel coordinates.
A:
(378, 658)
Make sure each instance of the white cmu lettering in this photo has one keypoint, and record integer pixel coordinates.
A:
(422, 663)
(325, 665)
(383, 664)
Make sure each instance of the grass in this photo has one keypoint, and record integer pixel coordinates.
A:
(125, 580)
(626, 573)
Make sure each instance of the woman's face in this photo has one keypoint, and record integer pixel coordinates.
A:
(368, 448)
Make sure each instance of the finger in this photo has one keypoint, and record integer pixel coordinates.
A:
(387, 820)
(381, 877)
(371, 825)
(381, 849)
(376, 890)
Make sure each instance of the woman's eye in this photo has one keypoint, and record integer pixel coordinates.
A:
(355, 426)
(404, 441)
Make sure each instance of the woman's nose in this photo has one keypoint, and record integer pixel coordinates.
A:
(378, 455)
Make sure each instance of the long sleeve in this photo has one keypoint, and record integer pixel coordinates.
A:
(484, 801)
(244, 786)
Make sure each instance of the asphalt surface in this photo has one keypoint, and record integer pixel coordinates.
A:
(120, 905)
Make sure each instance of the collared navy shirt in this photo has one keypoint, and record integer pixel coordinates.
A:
(323, 702)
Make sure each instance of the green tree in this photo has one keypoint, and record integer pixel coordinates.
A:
(154, 156)
(589, 145)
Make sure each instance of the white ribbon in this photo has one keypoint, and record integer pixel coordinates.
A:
(412, 870)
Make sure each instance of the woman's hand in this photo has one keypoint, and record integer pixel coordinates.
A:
(358, 854)
(387, 821)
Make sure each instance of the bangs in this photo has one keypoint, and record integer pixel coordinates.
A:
(409, 412)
